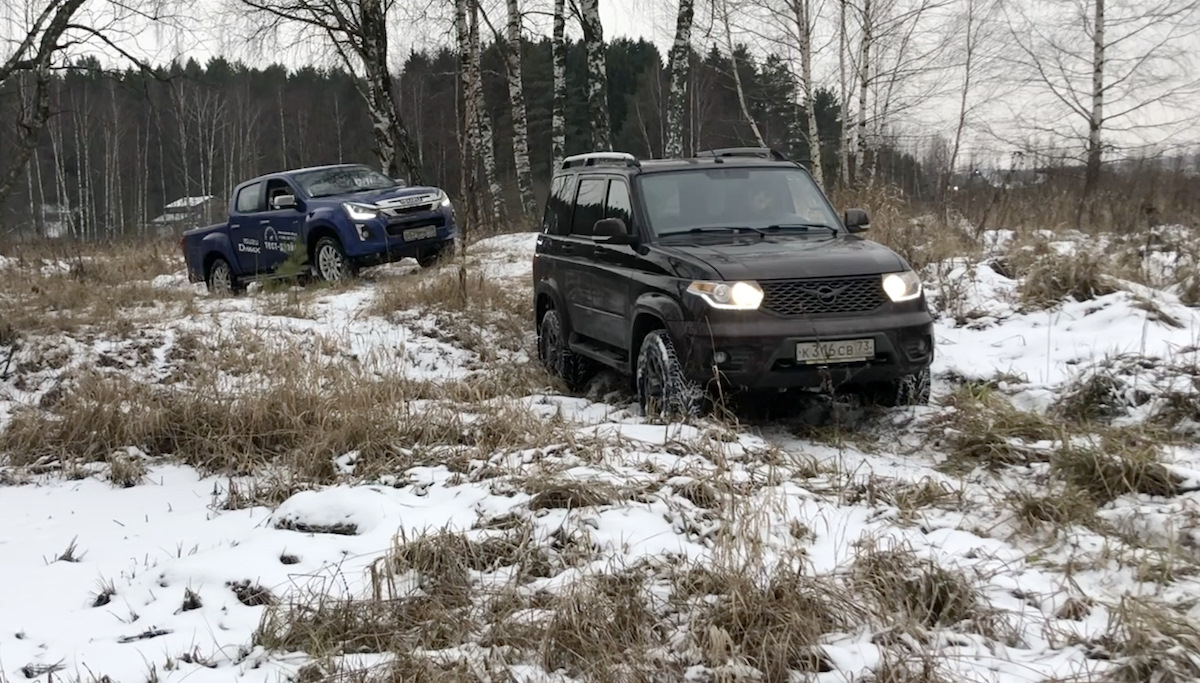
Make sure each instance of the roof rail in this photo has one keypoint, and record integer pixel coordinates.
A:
(764, 152)
(592, 158)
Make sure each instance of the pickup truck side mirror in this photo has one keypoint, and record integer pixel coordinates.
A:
(283, 201)
(612, 231)
(401, 182)
(856, 220)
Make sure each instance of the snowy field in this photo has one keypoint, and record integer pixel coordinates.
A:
(375, 482)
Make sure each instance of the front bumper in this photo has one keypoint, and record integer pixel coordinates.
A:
(408, 236)
(760, 351)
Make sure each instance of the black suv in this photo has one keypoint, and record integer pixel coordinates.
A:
(732, 270)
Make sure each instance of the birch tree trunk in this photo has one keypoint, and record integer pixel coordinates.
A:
(737, 76)
(558, 121)
(1096, 116)
(679, 67)
(597, 65)
(520, 122)
(864, 82)
(844, 143)
(393, 141)
(804, 32)
(486, 144)
(468, 128)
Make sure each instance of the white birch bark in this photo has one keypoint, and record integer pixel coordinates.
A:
(804, 33)
(486, 145)
(558, 121)
(597, 64)
(1096, 115)
(737, 76)
(679, 67)
(520, 122)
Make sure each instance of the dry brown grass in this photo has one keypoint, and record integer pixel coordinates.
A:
(984, 428)
(1123, 463)
(1051, 279)
(773, 624)
(1148, 641)
(911, 590)
(97, 286)
(301, 418)
(468, 309)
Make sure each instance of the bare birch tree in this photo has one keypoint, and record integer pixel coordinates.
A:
(805, 20)
(558, 117)
(1103, 65)
(597, 68)
(678, 67)
(520, 122)
(357, 31)
(723, 12)
(485, 141)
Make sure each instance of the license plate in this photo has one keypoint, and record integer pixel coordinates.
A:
(840, 351)
(425, 233)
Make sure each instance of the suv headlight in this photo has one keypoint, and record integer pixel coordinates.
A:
(360, 212)
(904, 286)
(738, 296)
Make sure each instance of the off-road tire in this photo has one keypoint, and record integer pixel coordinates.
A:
(220, 279)
(432, 257)
(329, 261)
(556, 356)
(663, 390)
(909, 390)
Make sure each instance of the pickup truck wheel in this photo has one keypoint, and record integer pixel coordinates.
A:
(220, 278)
(663, 390)
(556, 356)
(909, 390)
(332, 265)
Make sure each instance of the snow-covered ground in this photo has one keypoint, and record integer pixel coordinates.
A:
(161, 575)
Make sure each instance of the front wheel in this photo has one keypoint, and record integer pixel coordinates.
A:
(331, 262)
(663, 390)
(909, 390)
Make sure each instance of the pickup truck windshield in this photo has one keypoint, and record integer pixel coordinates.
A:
(330, 182)
(778, 200)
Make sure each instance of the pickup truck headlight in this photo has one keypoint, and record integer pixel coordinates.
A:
(360, 212)
(904, 286)
(443, 198)
(738, 296)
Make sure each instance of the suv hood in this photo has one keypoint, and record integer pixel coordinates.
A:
(778, 258)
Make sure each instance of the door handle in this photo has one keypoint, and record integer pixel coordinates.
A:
(568, 248)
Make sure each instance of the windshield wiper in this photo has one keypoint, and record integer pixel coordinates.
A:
(799, 226)
(729, 228)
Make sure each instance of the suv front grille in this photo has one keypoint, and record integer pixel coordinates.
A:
(823, 296)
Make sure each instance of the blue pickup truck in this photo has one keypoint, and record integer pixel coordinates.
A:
(344, 216)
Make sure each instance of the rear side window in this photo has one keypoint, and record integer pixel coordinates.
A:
(557, 218)
(589, 205)
(249, 199)
(618, 204)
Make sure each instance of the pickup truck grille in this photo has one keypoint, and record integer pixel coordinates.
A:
(823, 296)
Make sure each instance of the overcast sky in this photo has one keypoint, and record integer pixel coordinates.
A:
(208, 28)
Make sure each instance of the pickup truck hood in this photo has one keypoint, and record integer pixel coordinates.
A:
(776, 257)
(384, 197)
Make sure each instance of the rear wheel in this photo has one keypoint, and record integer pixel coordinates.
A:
(556, 356)
(663, 390)
(331, 263)
(220, 279)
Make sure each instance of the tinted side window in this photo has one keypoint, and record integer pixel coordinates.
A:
(553, 206)
(618, 204)
(589, 205)
(249, 199)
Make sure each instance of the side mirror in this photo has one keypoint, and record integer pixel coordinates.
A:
(283, 201)
(401, 182)
(612, 231)
(856, 220)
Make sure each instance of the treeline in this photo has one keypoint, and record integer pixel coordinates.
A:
(120, 146)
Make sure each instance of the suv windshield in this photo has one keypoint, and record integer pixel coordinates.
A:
(755, 198)
(345, 180)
